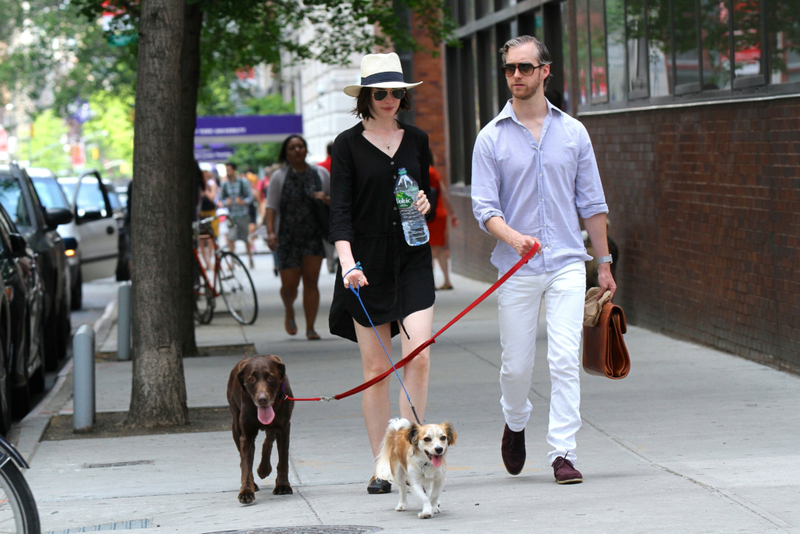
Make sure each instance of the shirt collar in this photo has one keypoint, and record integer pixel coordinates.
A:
(508, 111)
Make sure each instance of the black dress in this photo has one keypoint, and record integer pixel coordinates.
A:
(364, 212)
(299, 234)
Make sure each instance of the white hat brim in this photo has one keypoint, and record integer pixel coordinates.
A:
(353, 90)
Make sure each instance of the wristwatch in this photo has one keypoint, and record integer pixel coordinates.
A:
(605, 259)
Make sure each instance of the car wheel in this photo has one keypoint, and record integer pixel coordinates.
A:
(5, 399)
(20, 400)
(65, 322)
(55, 348)
(36, 380)
(77, 292)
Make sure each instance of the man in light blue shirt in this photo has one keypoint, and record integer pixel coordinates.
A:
(534, 175)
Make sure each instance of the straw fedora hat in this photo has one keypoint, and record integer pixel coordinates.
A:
(380, 70)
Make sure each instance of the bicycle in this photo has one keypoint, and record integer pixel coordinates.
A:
(18, 512)
(231, 280)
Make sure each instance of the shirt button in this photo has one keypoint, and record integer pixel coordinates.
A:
(392, 163)
(394, 224)
(395, 209)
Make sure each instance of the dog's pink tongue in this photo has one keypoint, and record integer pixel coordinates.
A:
(436, 461)
(266, 414)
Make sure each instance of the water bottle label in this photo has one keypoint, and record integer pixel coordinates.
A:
(403, 200)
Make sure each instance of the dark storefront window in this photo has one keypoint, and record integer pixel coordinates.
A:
(630, 51)
(783, 36)
(715, 32)
(615, 22)
(748, 39)
(687, 51)
(597, 42)
(582, 16)
(659, 45)
(636, 41)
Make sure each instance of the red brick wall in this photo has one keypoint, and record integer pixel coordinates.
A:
(705, 207)
(428, 98)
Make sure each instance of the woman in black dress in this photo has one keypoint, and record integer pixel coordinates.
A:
(294, 232)
(395, 279)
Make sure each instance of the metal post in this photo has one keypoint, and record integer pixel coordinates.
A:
(83, 351)
(124, 322)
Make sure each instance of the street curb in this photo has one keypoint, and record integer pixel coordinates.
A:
(26, 434)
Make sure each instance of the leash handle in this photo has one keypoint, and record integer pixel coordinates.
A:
(357, 267)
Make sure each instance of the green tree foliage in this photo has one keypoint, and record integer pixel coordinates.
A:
(62, 55)
(46, 148)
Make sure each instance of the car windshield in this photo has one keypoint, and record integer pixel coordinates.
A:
(69, 189)
(50, 193)
(12, 201)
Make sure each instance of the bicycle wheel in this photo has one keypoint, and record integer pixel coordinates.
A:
(18, 512)
(237, 288)
(203, 302)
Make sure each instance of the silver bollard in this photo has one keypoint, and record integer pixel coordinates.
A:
(83, 397)
(124, 322)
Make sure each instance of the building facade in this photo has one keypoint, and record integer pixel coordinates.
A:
(693, 107)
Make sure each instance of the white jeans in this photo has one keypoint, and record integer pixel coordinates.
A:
(519, 300)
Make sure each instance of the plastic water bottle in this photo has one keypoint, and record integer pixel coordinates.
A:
(414, 226)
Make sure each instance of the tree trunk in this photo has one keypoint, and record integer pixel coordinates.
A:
(159, 242)
(190, 81)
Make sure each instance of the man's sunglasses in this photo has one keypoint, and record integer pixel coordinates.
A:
(382, 93)
(526, 69)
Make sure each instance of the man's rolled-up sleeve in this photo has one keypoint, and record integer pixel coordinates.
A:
(485, 182)
(589, 198)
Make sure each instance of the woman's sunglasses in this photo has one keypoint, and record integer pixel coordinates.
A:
(526, 69)
(382, 93)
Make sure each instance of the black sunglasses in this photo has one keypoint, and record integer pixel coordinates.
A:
(383, 93)
(526, 69)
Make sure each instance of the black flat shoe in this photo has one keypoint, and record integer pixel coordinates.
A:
(377, 485)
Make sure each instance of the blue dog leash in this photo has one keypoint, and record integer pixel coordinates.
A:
(356, 292)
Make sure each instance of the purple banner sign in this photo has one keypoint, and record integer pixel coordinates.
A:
(246, 128)
(216, 152)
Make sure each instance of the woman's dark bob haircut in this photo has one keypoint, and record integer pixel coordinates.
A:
(365, 95)
(285, 147)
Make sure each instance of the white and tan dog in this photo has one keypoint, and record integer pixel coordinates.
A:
(416, 453)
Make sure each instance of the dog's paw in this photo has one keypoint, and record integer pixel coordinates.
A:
(425, 514)
(282, 489)
(264, 469)
(246, 496)
(437, 508)
(401, 507)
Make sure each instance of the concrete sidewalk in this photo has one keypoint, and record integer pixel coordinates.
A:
(693, 440)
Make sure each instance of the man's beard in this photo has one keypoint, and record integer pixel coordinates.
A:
(529, 92)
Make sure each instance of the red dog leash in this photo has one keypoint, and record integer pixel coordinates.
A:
(432, 340)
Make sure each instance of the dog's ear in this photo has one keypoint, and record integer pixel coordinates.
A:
(450, 432)
(412, 434)
(243, 365)
(280, 364)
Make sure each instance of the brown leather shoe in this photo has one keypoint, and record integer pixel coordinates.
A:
(513, 450)
(565, 472)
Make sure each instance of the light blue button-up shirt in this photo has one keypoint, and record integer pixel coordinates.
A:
(539, 189)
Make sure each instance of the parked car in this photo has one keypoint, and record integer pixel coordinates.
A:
(23, 365)
(5, 344)
(52, 195)
(38, 226)
(98, 220)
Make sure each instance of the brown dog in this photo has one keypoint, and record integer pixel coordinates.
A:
(257, 388)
